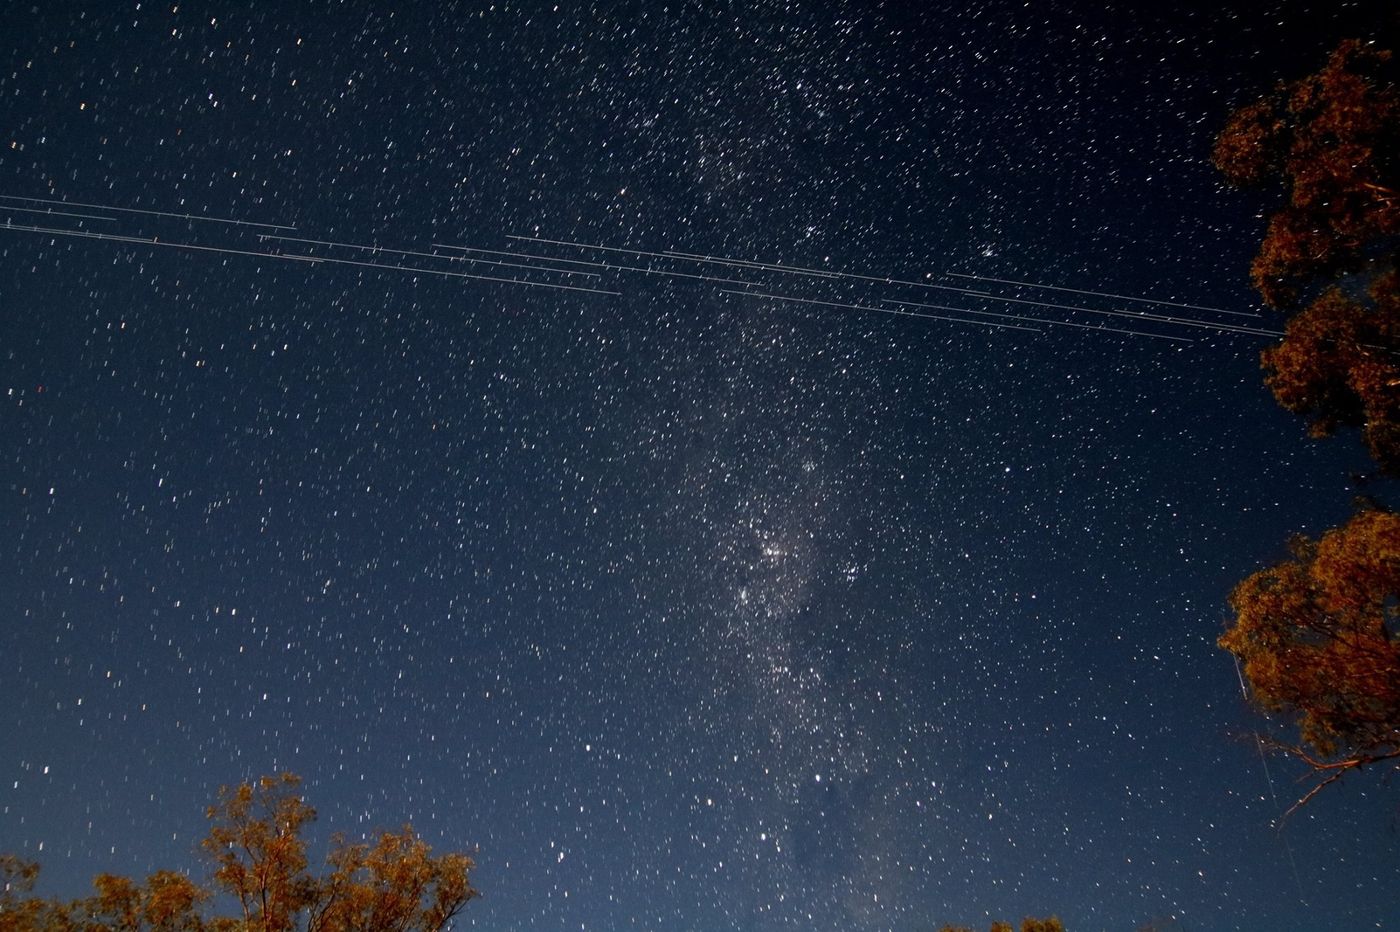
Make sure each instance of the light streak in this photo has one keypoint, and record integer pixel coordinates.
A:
(879, 310)
(1130, 315)
(428, 255)
(56, 213)
(153, 213)
(887, 280)
(112, 237)
(607, 266)
(1102, 294)
(686, 256)
(966, 310)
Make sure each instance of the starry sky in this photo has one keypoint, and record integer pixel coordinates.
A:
(753, 588)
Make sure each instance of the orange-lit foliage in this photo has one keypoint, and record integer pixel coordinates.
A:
(1316, 634)
(167, 902)
(1316, 638)
(259, 859)
(1042, 925)
(392, 884)
(258, 851)
(1332, 140)
(1338, 364)
(1028, 924)
(20, 912)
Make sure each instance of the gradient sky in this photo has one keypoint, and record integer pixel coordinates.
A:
(692, 610)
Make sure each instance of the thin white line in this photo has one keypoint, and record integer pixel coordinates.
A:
(291, 257)
(879, 310)
(1131, 315)
(824, 273)
(154, 213)
(518, 255)
(427, 255)
(145, 241)
(746, 263)
(1054, 323)
(56, 213)
(964, 310)
(1102, 294)
(607, 266)
(686, 256)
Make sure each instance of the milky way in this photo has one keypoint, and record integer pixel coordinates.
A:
(826, 539)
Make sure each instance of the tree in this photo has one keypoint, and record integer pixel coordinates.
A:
(258, 851)
(1316, 638)
(260, 858)
(1028, 924)
(1332, 141)
(20, 912)
(1052, 924)
(258, 855)
(1338, 365)
(1315, 634)
(392, 884)
(167, 902)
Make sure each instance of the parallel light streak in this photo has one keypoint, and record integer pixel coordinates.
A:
(828, 274)
(427, 255)
(532, 263)
(153, 213)
(1102, 294)
(1052, 322)
(112, 237)
(965, 310)
(686, 256)
(56, 213)
(879, 310)
(1130, 315)
(607, 266)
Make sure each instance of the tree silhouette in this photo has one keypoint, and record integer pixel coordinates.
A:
(1316, 637)
(1338, 365)
(1042, 925)
(258, 851)
(20, 912)
(1029, 924)
(166, 902)
(258, 855)
(1315, 634)
(1332, 141)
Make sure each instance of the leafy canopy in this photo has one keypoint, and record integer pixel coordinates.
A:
(1316, 637)
(258, 854)
(1331, 143)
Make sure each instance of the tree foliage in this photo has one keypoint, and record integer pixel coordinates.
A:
(1029, 924)
(166, 902)
(1332, 141)
(259, 856)
(19, 911)
(1316, 637)
(259, 861)
(1042, 925)
(1315, 634)
(1338, 364)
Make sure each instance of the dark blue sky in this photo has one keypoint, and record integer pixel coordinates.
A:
(694, 611)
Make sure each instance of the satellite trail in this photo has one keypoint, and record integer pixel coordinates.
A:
(846, 290)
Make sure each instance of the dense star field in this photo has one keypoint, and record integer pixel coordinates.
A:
(694, 610)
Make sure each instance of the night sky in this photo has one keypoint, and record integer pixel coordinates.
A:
(693, 609)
